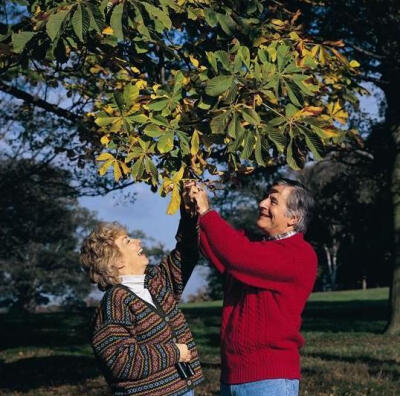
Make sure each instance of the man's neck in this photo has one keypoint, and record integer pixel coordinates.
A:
(283, 235)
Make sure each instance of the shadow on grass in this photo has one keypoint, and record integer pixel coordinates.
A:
(347, 316)
(375, 366)
(32, 373)
(45, 330)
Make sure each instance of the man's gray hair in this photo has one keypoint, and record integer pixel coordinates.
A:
(299, 203)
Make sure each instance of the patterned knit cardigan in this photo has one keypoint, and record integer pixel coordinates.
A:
(135, 342)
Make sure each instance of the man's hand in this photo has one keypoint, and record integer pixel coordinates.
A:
(184, 353)
(188, 205)
(199, 196)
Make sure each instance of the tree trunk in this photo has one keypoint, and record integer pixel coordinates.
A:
(393, 121)
(394, 321)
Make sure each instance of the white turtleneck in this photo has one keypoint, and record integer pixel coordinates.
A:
(136, 284)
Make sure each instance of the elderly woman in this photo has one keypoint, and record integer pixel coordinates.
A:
(139, 336)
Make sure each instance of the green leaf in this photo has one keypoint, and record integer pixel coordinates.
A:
(96, 18)
(248, 146)
(80, 22)
(131, 93)
(291, 95)
(203, 106)
(244, 54)
(218, 85)
(116, 21)
(211, 17)
(166, 143)
(290, 110)
(277, 138)
(104, 121)
(283, 56)
(158, 15)
(212, 60)
(153, 131)
(138, 169)
(219, 122)
(250, 115)
(314, 143)
(232, 126)
(19, 40)
(258, 151)
(159, 104)
(139, 118)
(55, 22)
(224, 58)
(151, 169)
(183, 142)
(291, 157)
(227, 24)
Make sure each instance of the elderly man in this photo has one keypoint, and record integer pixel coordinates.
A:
(267, 285)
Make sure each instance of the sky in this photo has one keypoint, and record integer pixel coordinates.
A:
(147, 213)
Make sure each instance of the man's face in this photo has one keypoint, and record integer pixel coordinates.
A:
(272, 218)
(133, 261)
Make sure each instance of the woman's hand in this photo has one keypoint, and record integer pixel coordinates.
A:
(185, 354)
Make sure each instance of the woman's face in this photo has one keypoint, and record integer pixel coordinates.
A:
(133, 260)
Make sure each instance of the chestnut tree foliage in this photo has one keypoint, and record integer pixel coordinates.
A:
(176, 88)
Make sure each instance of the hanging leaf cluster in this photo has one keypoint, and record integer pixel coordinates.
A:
(176, 88)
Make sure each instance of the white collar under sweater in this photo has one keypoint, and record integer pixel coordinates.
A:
(136, 284)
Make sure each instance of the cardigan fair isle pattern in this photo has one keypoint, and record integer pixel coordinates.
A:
(134, 342)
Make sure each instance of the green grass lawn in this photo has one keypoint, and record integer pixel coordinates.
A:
(345, 352)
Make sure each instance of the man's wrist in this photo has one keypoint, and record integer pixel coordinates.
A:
(204, 212)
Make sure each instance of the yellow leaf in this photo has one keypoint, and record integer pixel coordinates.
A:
(309, 111)
(141, 84)
(108, 109)
(105, 140)
(125, 169)
(337, 112)
(117, 125)
(258, 41)
(195, 143)
(277, 22)
(167, 185)
(330, 133)
(105, 166)
(178, 175)
(294, 36)
(175, 202)
(354, 63)
(201, 69)
(108, 30)
(105, 157)
(314, 51)
(155, 87)
(135, 70)
(194, 61)
(117, 171)
(95, 69)
(258, 100)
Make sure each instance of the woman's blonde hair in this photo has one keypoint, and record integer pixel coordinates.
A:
(99, 254)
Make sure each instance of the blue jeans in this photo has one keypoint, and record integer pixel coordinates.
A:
(273, 387)
(188, 393)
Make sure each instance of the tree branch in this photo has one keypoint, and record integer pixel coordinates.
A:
(17, 93)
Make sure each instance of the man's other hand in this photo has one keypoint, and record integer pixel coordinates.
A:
(199, 196)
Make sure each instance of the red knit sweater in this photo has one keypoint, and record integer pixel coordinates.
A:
(266, 289)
